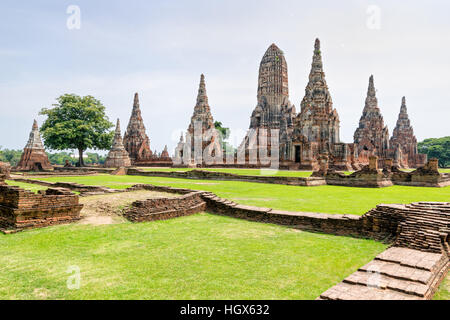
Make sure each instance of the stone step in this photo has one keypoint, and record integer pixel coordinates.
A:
(347, 291)
(397, 271)
(412, 258)
(380, 281)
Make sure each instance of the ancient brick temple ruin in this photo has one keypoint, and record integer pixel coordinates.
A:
(305, 136)
(404, 142)
(34, 157)
(316, 127)
(202, 144)
(137, 143)
(273, 113)
(22, 209)
(314, 132)
(372, 136)
(117, 156)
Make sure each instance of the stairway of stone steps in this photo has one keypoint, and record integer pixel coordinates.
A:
(396, 274)
(425, 227)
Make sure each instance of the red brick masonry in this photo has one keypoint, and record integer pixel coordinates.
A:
(22, 209)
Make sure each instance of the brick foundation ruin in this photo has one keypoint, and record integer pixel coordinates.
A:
(22, 209)
(165, 208)
(372, 176)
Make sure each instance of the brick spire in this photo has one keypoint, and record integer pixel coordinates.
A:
(136, 141)
(34, 141)
(317, 94)
(403, 134)
(118, 142)
(202, 110)
(317, 114)
(34, 156)
(372, 135)
(117, 156)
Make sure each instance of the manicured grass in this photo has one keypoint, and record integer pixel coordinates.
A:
(444, 290)
(27, 186)
(326, 199)
(197, 257)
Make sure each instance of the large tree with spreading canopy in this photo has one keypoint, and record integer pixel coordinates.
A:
(77, 122)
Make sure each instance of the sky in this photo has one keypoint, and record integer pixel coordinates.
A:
(160, 48)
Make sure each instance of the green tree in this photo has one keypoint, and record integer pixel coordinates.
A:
(224, 135)
(11, 156)
(78, 123)
(436, 148)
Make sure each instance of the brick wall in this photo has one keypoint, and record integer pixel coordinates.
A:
(23, 209)
(165, 208)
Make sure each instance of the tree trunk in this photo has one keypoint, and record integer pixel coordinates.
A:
(81, 160)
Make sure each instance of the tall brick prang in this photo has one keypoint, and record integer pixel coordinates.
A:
(403, 138)
(372, 136)
(316, 127)
(136, 141)
(34, 157)
(201, 131)
(273, 111)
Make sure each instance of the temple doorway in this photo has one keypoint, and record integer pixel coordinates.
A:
(297, 154)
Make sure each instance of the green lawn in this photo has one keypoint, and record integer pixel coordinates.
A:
(326, 199)
(444, 290)
(27, 186)
(197, 257)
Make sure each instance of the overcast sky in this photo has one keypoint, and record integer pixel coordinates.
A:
(160, 48)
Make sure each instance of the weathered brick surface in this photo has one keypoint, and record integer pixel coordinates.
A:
(396, 274)
(34, 157)
(5, 171)
(23, 209)
(117, 156)
(190, 202)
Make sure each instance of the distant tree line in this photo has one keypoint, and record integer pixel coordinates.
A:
(436, 148)
(59, 158)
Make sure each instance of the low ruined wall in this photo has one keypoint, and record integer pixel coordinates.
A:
(211, 175)
(348, 225)
(165, 208)
(23, 209)
(358, 179)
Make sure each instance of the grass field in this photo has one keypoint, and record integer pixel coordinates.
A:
(326, 199)
(444, 290)
(27, 186)
(196, 257)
